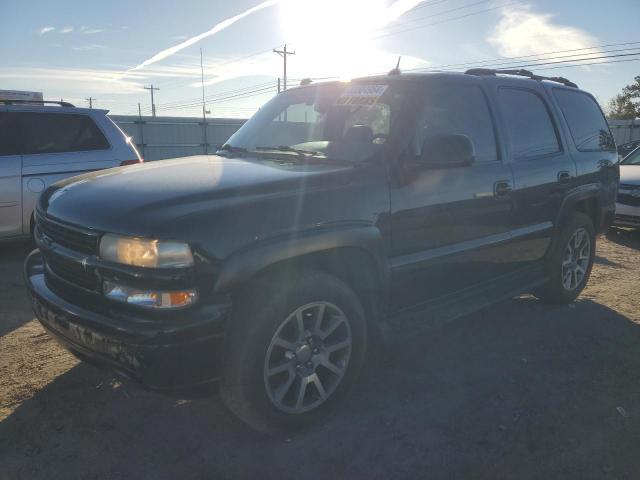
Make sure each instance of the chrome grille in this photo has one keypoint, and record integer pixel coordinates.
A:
(67, 236)
(72, 272)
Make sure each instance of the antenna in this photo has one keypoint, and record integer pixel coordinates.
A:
(396, 71)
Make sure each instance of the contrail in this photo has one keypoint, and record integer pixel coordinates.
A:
(393, 12)
(190, 41)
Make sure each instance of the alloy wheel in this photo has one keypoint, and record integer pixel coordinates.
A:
(308, 357)
(576, 258)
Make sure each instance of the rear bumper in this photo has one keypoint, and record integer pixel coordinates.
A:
(159, 355)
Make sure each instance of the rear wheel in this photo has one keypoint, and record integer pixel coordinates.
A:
(569, 266)
(293, 349)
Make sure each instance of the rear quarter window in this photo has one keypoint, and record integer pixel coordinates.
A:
(9, 138)
(587, 125)
(60, 132)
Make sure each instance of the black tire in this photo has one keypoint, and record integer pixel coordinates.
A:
(554, 290)
(263, 309)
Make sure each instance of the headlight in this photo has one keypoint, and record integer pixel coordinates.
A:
(149, 298)
(143, 252)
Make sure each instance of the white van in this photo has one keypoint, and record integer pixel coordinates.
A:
(42, 142)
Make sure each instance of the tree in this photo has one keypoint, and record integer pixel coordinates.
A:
(626, 105)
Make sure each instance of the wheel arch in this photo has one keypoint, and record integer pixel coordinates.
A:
(355, 255)
(584, 199)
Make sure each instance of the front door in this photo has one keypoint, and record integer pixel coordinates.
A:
(451, 225)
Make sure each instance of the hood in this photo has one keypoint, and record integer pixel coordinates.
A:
(139, 199)
(630, 174)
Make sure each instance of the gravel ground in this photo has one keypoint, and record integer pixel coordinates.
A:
(519, 390)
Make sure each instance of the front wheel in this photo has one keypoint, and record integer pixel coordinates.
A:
(569, 266)
(295, 346)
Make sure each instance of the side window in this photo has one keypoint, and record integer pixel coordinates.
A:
(588, 127)
(9, 138)
(530, 127)
(463, 110)
(60, 132)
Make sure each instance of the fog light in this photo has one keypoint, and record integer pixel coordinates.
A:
(149, 298)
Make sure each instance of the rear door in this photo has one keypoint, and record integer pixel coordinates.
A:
(10, 171)
(57, 145)
(542, 166)
(451, 225)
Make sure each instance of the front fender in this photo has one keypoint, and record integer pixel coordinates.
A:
(246, 263)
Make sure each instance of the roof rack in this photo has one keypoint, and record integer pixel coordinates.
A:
(520, 73)
(36, 102)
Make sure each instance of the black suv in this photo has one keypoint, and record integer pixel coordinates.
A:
(267, 269)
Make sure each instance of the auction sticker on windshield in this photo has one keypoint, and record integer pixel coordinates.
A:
(361, 95)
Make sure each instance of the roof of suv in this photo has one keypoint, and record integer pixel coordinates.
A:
(49, 106)
(523, 76)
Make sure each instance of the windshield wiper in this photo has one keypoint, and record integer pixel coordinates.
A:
(286, 148)
(303, 155)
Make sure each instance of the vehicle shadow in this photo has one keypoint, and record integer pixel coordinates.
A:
(14, 310)
(518, 390)
(625, 237)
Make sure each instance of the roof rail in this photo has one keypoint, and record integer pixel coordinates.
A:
(520, 73)
(36, 102)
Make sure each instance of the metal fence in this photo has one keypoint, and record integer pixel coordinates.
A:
(625, 131)
(167, 137)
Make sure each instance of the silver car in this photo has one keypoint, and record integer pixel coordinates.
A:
(628, 202)
(43, 142)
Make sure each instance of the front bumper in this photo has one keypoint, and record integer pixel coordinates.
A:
(160, 354)
(627, 215)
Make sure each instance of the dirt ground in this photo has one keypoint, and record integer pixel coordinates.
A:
(519, 390)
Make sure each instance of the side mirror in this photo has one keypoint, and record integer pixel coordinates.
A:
(447, 151)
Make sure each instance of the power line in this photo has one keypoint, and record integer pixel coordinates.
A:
(250, 93)
(214, 96)
(426, 17)
(541, 54)
(446, 20)
(540, 63)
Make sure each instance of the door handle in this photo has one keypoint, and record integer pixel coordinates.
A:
(502, 188)
(564, 177)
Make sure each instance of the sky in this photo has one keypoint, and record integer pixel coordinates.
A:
(110, 51)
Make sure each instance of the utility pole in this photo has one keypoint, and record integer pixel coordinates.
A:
(90, 100)
(278, 84)
(283, 53)
(204, 110)
(153, 105)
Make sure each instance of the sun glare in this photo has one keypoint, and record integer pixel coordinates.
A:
(334, 32)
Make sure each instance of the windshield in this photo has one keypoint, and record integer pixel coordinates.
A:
(633, 158)
(344, 121)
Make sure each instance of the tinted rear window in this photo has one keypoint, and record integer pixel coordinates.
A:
(9, 143)
(588, 127)
(60, 132)
(530, 127)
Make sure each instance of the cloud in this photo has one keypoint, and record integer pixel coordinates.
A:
(66, 30)
(90, 31)
(69, 79)
(522, 32)
(180, 37)
(44, 30)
